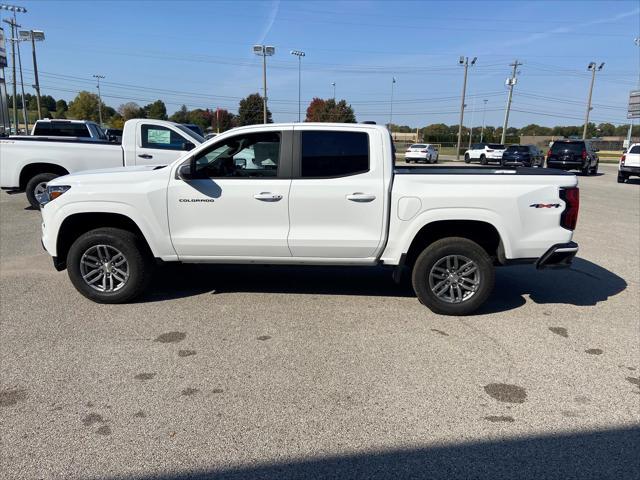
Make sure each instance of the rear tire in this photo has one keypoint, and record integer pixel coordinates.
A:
(470, 284)
(586, 170)
(622, 178)
(595, 168)
(483, 160)
(37, 186)
(109, 265)
(467, 159)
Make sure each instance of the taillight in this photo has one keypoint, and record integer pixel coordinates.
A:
(549, 153)
(584, 154)
(622, 160)
(569, 217)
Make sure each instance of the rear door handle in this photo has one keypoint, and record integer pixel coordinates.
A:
(145, 155)
(267, 197)
(361, 197)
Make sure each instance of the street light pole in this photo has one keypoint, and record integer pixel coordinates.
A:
(24, 103)
(464, 61)
(98, 77)
(484, 111)
(334, 90)
(299, 54)
(13, 39)
(473, 112)
(592, 67)
(264, 51)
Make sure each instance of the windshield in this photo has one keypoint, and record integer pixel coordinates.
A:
(190, 133)
(574, 147)
(518, 149)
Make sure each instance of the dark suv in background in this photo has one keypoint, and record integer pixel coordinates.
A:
(573, 155)
(522, 156)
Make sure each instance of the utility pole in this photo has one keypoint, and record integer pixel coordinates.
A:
(484, 111)
(334, 91)
(511, 82)
(299, 54)
(98, 77)
(592, 67)
(464, 61)
(473, 112)
(34, 35)
(393, 82)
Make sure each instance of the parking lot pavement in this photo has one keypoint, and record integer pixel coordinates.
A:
(274, 372)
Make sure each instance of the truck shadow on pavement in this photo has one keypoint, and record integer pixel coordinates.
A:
(605, 454)
(585, 283)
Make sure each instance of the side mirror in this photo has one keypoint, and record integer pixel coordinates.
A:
(186, 146)
(186, 171)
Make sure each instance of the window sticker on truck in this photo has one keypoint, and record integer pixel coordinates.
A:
(159, 136)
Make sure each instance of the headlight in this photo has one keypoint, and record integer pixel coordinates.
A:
(52, 193)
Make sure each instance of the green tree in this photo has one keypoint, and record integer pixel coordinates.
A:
(130, 110)
(250, 110)
(48, 102)
(607, 129)
(180, 116)
(116, 121)
(156, 110)
(84, 106)
(61, 105)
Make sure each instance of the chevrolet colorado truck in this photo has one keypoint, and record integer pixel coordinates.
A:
(27, 163)
(316, 194)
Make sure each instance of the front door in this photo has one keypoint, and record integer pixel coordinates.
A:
(237, 204)
(336, 203)
(160, 145)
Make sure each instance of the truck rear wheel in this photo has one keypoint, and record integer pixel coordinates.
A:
(109, 265)
(453, 276)
(36, 186)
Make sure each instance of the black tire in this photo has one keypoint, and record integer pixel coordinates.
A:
(467, 158)
(407, 161)
(436, 160)
(36, 183)
(586, 170)
(622, 178)
(594, 171)
(439, 250)
(483, 160)
(139, 264)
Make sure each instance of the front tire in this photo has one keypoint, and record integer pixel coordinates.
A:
(36, 186)
(453, 276)
(467, 158)
(109, 265)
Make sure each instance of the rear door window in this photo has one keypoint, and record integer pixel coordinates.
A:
(635, 149)
(334, 154)
(58, 129)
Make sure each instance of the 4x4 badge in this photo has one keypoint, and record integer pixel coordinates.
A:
(545, 205)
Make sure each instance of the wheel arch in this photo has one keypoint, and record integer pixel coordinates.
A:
(31, 170)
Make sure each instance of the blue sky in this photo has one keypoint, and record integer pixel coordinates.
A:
(199, 54)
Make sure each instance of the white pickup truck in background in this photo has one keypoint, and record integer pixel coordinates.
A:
(84, 129)
(27, 163)
(316, 194)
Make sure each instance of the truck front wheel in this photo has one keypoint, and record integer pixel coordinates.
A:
(453, 276)
(36, 186)
(109, 265)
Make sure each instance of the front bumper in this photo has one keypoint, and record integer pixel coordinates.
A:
(559, 256)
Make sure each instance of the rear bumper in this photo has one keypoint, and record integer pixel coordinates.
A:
(565, 164)
(631, 170)
(559, 256)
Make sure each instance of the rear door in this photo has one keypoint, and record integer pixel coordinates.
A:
(159, 144)
(336, 202)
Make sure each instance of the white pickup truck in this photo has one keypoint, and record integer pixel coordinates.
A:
(317, 194)
(27, 163)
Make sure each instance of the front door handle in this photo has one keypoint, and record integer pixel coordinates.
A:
(145, 155)
(267, 197)
(361, 197)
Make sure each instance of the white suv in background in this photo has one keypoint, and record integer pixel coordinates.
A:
(629, 163)
(421, 152)
(485, 153)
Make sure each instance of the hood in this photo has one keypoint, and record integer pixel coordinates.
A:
(109, 175)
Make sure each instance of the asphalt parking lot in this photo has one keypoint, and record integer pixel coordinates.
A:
(274, 372)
